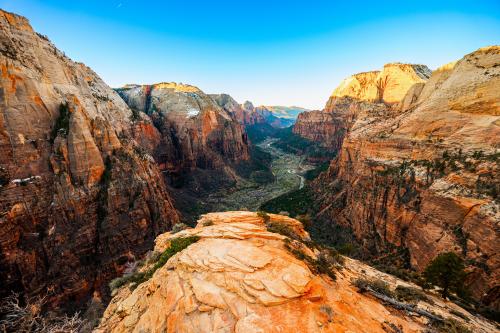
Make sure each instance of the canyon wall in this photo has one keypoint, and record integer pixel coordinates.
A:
(79, 196)
(422, 173)
(244, 113)
(195, 131)
(369, 92)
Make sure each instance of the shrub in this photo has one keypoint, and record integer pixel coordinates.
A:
(450, 326)
(410, 294)
(459, 314)
(29, 317)
(178, 227)
(264, 216)
(391, 328)
(176, 245)
(324, 264)
(447, 272)
(208, 223)
(136, 114)
(62, 122)
(378, 286)
(328, 311)
(282, 229)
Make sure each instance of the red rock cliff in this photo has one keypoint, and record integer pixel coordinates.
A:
(195, 131)
(424, 175)
(360, 93)
(78, 197)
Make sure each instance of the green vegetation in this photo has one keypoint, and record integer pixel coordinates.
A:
(136, 115)
(176, 245)
(264, 216)
(102, 209)
(326, 263)
(296, 202)
(447, 272)
(258, 167)
(178, 227)
(208, 223)
(313, 173)
(404, 174)
(295, 144)
(282, 229)
(259, 132)
(410, 294)
(378, 286)
(62, 122)
(450, 326)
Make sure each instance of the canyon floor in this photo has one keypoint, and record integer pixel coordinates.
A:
(287, 169)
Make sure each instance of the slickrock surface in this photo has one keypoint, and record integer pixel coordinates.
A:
(445, 196)
(370, 92)
(195, 131)
(240, 278)
(78, 201)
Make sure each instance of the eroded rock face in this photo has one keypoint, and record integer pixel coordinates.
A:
(370, 92)
(77, 200)
(425, 177)
(195, 131)
(244, 114)
(239, 277)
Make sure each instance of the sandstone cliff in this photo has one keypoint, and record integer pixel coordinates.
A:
(241, 277)
(196, 132)
(79, 198)
(423, 175)
(247, 114)
(244, 113)
(371, 92)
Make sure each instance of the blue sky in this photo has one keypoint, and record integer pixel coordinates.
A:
(269, 52)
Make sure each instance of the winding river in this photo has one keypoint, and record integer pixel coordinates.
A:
(287, 169)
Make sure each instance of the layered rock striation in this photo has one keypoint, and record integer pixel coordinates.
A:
(244, 113)
(79, 198)
(423, 175)
(240, 277)
(369, 92)
(195, 130)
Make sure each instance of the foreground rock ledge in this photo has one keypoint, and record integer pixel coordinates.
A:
(240, 278)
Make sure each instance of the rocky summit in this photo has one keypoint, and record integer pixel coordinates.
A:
(242, 274)
(369, 92)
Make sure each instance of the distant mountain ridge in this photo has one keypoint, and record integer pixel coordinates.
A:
(248, 114)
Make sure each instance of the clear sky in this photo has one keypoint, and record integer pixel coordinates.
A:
(270, 52)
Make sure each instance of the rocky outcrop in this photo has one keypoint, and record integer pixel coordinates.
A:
(370, 92)
(240, 277)
(247, 114)
(195, 131)
(79, 197)
(423, 175)
(242, 112)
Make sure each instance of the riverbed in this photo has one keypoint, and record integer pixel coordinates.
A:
(287, 170)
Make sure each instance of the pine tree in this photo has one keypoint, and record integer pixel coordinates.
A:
(447, 272)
